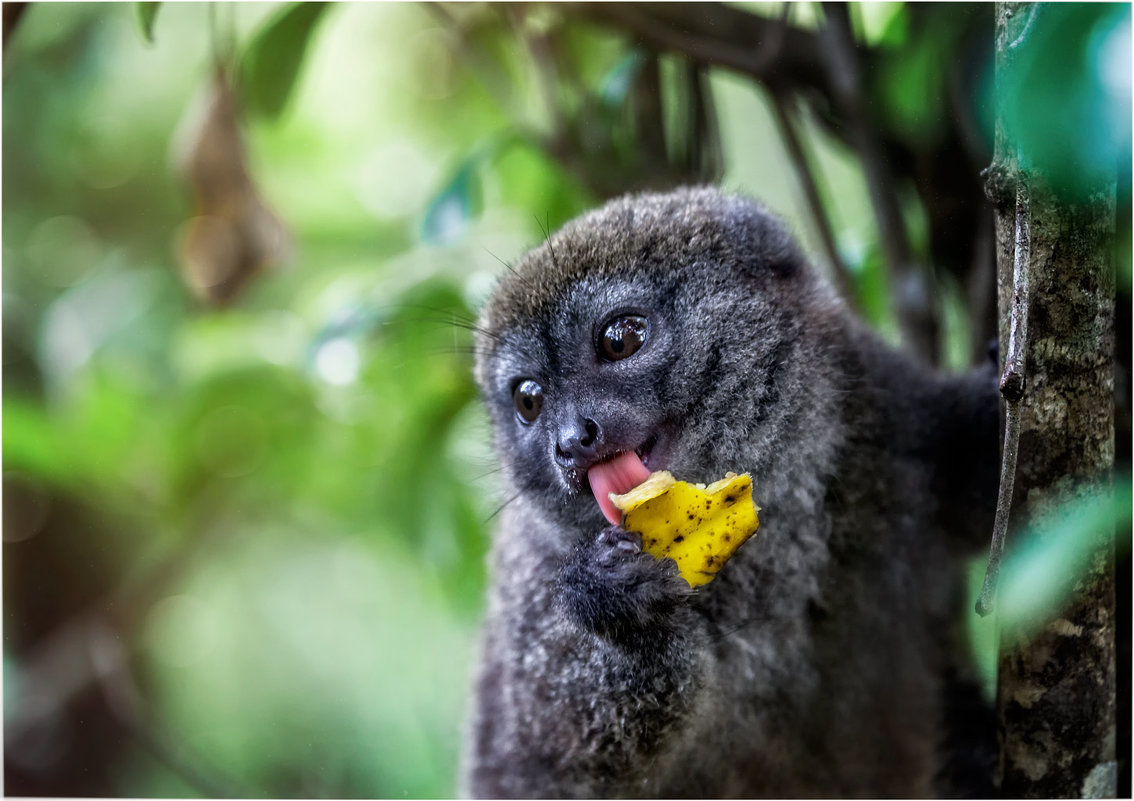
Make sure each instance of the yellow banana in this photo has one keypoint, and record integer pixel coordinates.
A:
(698, 527)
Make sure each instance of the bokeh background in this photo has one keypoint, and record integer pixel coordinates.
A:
(247, 486)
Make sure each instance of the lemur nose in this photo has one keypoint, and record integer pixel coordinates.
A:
(578, 442)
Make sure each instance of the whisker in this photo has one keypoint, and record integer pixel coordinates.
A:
(524, 280)
(723, 633)
(500, 508)
(456, 348)
(451, 317)
(470, 325)
(546, 228)
(486, 474)
(455, 319)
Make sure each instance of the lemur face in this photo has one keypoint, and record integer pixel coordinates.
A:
(632, 342)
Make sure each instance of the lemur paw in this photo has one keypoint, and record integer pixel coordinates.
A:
(613, 539)
(609, 586)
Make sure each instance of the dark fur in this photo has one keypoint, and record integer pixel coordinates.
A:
(819, 661)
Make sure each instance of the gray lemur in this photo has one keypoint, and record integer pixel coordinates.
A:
(685, 331)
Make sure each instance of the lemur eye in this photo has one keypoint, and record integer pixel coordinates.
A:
(528, 397)
(622, 337)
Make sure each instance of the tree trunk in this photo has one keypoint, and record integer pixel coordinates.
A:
(1056, 691)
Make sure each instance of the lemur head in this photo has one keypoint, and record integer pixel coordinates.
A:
(661, 331)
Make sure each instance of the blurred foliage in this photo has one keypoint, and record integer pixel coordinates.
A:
(273, 58)
(280, 505)
(1066, 96)
(304, 474)
(1046, 564)
(147, 16)
(1053, 556)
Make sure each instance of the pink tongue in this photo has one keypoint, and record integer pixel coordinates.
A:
(618, 475)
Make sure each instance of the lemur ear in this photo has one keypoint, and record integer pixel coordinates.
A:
(763, 243)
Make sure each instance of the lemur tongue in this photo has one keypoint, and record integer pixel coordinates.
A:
(618, 475)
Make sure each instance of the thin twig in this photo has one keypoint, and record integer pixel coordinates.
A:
(980, 289)
(915, 313)
(703, 145)
(711, 149)
(688, 150)
(646, 105)
(772, 49)
(985, 602)
(1012, 381)
(842, 64)
(1012, 385)
(806, 177)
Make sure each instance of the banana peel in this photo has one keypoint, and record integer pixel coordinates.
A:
(699, 527)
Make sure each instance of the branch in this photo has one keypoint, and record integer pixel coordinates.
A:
(646, 107)
(980, 287)
(776, 54)
(841, 59)
(720, 35)
(806, 176)
(1012, 385)
(703, 142)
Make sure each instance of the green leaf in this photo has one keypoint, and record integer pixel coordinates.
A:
(147, 14)
(1055, 557)
(273, 60)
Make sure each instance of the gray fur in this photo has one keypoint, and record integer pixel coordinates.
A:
(819, 662)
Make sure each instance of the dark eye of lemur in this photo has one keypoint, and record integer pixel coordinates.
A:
(622, 337)
(528, 397)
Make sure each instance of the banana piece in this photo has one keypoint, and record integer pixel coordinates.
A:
(698, 527)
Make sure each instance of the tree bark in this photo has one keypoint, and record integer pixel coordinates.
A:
(1056, 690)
